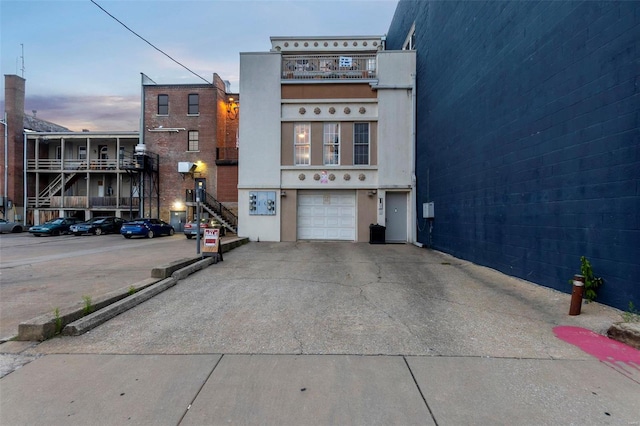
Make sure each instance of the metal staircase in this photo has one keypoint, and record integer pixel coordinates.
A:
(221, 213)
(55, 187)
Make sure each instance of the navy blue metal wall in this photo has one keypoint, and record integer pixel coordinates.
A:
(528, 138)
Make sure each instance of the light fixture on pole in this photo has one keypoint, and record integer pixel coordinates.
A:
(233, 107)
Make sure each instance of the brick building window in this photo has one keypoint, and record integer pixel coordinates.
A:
(163, 104)
(194, 108)
(331, 144)
(361, 143)
(302, 144)
(194, 141)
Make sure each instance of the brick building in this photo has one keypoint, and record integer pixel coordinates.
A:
(195, 124)
(15, 123)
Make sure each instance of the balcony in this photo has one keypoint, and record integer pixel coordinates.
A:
(77, 164)
(329, 67)
(80, 202)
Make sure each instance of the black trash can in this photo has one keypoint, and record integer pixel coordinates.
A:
(377, 234)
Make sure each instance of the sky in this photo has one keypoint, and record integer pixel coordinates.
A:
(82, 67)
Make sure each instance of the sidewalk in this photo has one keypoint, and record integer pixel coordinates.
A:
(324, 333)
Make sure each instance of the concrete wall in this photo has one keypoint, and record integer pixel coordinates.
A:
(259, 156)
(527, 136)
(395, 143)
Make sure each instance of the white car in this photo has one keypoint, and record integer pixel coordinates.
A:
(13, 227)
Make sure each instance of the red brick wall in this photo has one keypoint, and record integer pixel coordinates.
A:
(14, 106)
(228, 184)
(172, 147)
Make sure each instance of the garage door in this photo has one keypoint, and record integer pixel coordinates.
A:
(327, 215)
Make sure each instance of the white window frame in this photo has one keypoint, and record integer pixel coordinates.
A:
(191, 141)
(356, 144)
(302, 144)
(82, 152)
(410, 41)
(331, 143)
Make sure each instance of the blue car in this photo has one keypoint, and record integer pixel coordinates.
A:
(148, 228)
(53, 227)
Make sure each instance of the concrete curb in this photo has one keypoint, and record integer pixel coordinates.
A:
(93, 320)
(72, 321)
(45, 326)
(626, 332)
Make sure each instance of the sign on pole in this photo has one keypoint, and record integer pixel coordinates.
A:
(211, 240)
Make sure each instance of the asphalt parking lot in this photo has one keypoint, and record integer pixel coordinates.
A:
(39, 274)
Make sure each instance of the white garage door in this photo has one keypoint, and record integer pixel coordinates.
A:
(327, 215)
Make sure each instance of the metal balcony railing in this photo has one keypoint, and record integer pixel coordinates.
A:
(78, 164)
(329, 67)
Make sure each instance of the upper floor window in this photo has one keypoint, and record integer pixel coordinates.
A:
(361, 143)
(331, 143)
(163, 104)
(82, 152)
(194, 141)
(302, 144)
(194, 108)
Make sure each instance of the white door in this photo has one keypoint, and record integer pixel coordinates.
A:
(327, 215)
(396, 217)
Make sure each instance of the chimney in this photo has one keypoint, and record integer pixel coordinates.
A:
(14, 93)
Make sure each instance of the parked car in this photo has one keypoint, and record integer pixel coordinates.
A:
(53, 227)
(98, 226)
(6, 226)
(191, 228)
(146, 228)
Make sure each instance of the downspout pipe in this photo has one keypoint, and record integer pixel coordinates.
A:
(24, 180)
(414, 231)
(6, 163)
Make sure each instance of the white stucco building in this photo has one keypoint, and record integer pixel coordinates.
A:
(327, 140)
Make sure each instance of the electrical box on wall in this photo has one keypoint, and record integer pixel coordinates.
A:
(427, 211)
(262, 203)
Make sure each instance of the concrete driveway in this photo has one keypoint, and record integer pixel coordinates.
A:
(325, 334)
(337, 298)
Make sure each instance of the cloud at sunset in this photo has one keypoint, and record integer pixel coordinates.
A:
(95, 113)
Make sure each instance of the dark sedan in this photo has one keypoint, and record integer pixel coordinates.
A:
(54, 227)
(146, 228)
(98, 226)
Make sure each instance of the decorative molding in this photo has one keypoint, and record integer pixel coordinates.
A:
(362, 176)
(332, 177)
(347, 177)
(347, 110)
(362, 110)
(317, 110)
(301, 176)
(302, 110)
(332, 110)
(316, 177)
